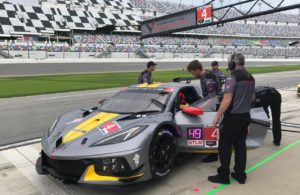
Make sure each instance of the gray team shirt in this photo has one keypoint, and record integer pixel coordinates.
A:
(218, 73)
(210, 84)
(145, 77)
(242, 85)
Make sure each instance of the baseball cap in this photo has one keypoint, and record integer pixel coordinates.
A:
(215, 63)
(150, 63)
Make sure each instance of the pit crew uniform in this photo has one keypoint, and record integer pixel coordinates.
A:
(270, 97)
(234, 126)
(218, 73)
(210, 84)
(145, 77)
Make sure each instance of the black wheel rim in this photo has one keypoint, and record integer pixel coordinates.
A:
(162, 154)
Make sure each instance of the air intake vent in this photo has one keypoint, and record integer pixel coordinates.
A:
(58, 142)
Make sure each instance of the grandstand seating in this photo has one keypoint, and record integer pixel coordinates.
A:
(261, 36)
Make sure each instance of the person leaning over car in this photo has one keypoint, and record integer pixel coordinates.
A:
(235, 109)
(146, 75)
(210, 83)
(269, 96)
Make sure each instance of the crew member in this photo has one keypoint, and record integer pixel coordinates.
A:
(215, 69)
(269, 96)
(146, 75)
(210, 84)
(235, 107)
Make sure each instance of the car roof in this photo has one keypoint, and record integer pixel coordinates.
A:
(159, 86)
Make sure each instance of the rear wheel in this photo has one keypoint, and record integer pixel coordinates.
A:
(162, 153)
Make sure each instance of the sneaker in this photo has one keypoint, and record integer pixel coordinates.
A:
(241, 180)
(210, 158)
(219, 179)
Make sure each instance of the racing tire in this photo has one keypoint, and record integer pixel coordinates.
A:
(162, 153)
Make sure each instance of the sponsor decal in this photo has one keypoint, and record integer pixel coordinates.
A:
(204, 14)
(195, 136)
(77, 120)
(195, 133)
(195, 142)
(211, 144)
(136, 159)
(109, 127)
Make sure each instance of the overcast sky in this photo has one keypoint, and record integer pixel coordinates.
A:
(194, 2)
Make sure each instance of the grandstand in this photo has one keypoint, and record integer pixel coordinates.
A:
(102, 28)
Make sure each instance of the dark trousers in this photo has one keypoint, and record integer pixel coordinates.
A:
(233, 134)
(275, 105)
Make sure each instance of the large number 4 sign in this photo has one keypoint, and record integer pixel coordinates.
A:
(204, 14)
(211, 133)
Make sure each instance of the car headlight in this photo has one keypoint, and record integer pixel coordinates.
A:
(52, 127)
(121, 137)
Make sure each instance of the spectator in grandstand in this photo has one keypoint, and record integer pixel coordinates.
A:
(146, 75)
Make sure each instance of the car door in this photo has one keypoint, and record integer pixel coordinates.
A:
(197, 132)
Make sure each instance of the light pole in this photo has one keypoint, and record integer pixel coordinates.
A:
(259, 4)
(221, 1)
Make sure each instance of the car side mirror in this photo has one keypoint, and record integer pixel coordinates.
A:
(194, 111)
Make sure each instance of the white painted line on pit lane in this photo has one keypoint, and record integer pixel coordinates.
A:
(75, 95)
(23, 159)
(18, 144)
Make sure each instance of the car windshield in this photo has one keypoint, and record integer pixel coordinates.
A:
(136, 101)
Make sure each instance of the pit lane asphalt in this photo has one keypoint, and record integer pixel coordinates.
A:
(273, 170)
(25, 118)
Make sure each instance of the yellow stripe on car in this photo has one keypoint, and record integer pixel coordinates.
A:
(91, 175)
(88, 125)
(152, 85)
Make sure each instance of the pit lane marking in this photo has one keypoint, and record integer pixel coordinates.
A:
(23, 159)
(257, 165)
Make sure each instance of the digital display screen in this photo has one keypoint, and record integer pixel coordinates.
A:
(195, 133)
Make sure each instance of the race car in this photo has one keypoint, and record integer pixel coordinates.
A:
(298, 89)
(135, 135)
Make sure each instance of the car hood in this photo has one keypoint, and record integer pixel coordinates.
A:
(83, 128)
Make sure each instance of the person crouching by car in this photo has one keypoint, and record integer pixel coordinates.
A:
(210, 84)
(146, 75)
(269, 97)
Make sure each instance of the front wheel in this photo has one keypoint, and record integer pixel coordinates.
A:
(162, 153)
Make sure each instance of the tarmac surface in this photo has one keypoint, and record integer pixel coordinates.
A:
(36, 68)
(272, 170)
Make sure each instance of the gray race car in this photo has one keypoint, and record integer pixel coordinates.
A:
(135, 135)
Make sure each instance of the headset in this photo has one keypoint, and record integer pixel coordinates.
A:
(232, 64)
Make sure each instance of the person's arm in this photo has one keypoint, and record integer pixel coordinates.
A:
(218, 86)
(227, 99)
